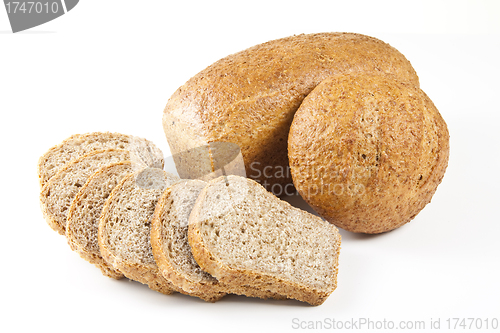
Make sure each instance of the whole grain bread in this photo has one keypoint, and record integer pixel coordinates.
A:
(244, 235)
(172, 253)
(367, 152)
(83, 217)
(249, 98)
(58, 193)
(125, 227)
(143, 151)
(171, 250)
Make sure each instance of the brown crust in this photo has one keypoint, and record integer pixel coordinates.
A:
(367, 152)
(249, 98)
(98, 261)
(235, 278)
(145, 275)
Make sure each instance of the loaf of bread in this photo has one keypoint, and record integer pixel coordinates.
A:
(244, 235)
(249, 99)
(85, 210)
(58, 193)
(125, 227)
(340, 114)
(143, 151)
(367, 152)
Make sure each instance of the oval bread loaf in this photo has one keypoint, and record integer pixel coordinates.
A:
(249, 98)
(367, 152)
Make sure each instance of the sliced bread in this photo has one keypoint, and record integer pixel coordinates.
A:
(144, 151)
(171, 250)
(57, 195)
(83, 216)
(244, 235)
(125, 227)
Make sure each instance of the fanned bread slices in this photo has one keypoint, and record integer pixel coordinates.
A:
(143, 151)
(243, 235)
(125, 227)
(169, 242)
(83, 216)
(61, 189)
(171, 250)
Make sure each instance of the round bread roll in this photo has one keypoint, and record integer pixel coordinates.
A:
(249, 99)
(367, 152)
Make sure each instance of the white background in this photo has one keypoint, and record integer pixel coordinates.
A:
(112, 65)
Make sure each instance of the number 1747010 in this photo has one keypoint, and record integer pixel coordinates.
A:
(28, 7)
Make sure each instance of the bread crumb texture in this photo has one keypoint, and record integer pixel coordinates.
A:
(58, 194)
(242, 234)
(85, 211)
(169, 240)
(143, 151)
(125, 226)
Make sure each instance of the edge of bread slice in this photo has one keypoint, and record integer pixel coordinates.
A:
(143, 151)
(57, 195)
(83, 217)
(171, 250)
(243, 235)
(125, 227)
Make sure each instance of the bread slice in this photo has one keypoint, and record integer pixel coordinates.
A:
(125, 227)
(61, 189)
(171, 250)
(243, 235)
(144, 151)
(83, 216)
